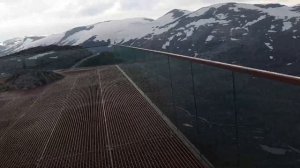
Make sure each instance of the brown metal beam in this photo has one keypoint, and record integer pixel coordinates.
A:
(234, 68)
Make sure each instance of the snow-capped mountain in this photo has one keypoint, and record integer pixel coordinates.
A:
(260, 36)
(15, 44)
(117, 31)
(264, 36)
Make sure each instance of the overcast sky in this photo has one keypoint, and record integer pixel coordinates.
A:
(20, 18)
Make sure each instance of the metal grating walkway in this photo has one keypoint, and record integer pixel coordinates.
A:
(92, 118)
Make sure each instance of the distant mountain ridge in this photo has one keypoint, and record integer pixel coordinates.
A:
(116, 30)
(263, 36)
(15, 44)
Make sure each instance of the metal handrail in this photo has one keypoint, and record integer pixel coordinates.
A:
(290, 79)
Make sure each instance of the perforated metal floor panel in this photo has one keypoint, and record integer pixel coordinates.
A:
(91, 118)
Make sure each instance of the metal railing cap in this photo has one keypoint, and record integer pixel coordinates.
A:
(290, 79)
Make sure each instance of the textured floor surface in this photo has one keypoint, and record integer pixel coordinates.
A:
(91, 118)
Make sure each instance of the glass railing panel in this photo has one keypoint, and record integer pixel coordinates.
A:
(183, 97)
(139, 70)
(158, 88)
(100, 56)
(43, 60)
(269, 122)
(151, 73)
(216, 128)
(124, 54)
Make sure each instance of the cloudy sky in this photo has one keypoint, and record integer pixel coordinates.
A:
(20, 18)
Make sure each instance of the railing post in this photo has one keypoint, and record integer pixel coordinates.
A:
(236, 119)
(194, 89)
(135, 53)
(195, 100)
(172, 92)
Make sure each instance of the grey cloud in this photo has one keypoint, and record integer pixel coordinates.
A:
(44, 17)
(138, 4)
(95, 9)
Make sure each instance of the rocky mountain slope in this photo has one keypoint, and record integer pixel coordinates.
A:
(31, 79)
(261, 36)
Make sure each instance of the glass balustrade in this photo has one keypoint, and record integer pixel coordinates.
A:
(234, 119)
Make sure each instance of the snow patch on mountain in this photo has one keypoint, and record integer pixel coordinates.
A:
(209, 38)
(255, 21)
(286, 26)
(179, 34)
(40, 55)
(162, 29)
(269, 46)
(273, 150)
(234, 39)
(203, 22)
(188, 32)
(167, 43)
(221, 16)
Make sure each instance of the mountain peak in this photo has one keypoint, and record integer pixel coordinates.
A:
(173, 15)
(178, 12)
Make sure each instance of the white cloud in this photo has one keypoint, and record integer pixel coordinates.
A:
(43, 17)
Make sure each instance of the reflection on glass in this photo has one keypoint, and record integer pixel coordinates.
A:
(235, 120)
(269, 122)
(216, 116)
(183, 95)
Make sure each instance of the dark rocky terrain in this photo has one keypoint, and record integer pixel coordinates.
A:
(43, 58)
(30, 80)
